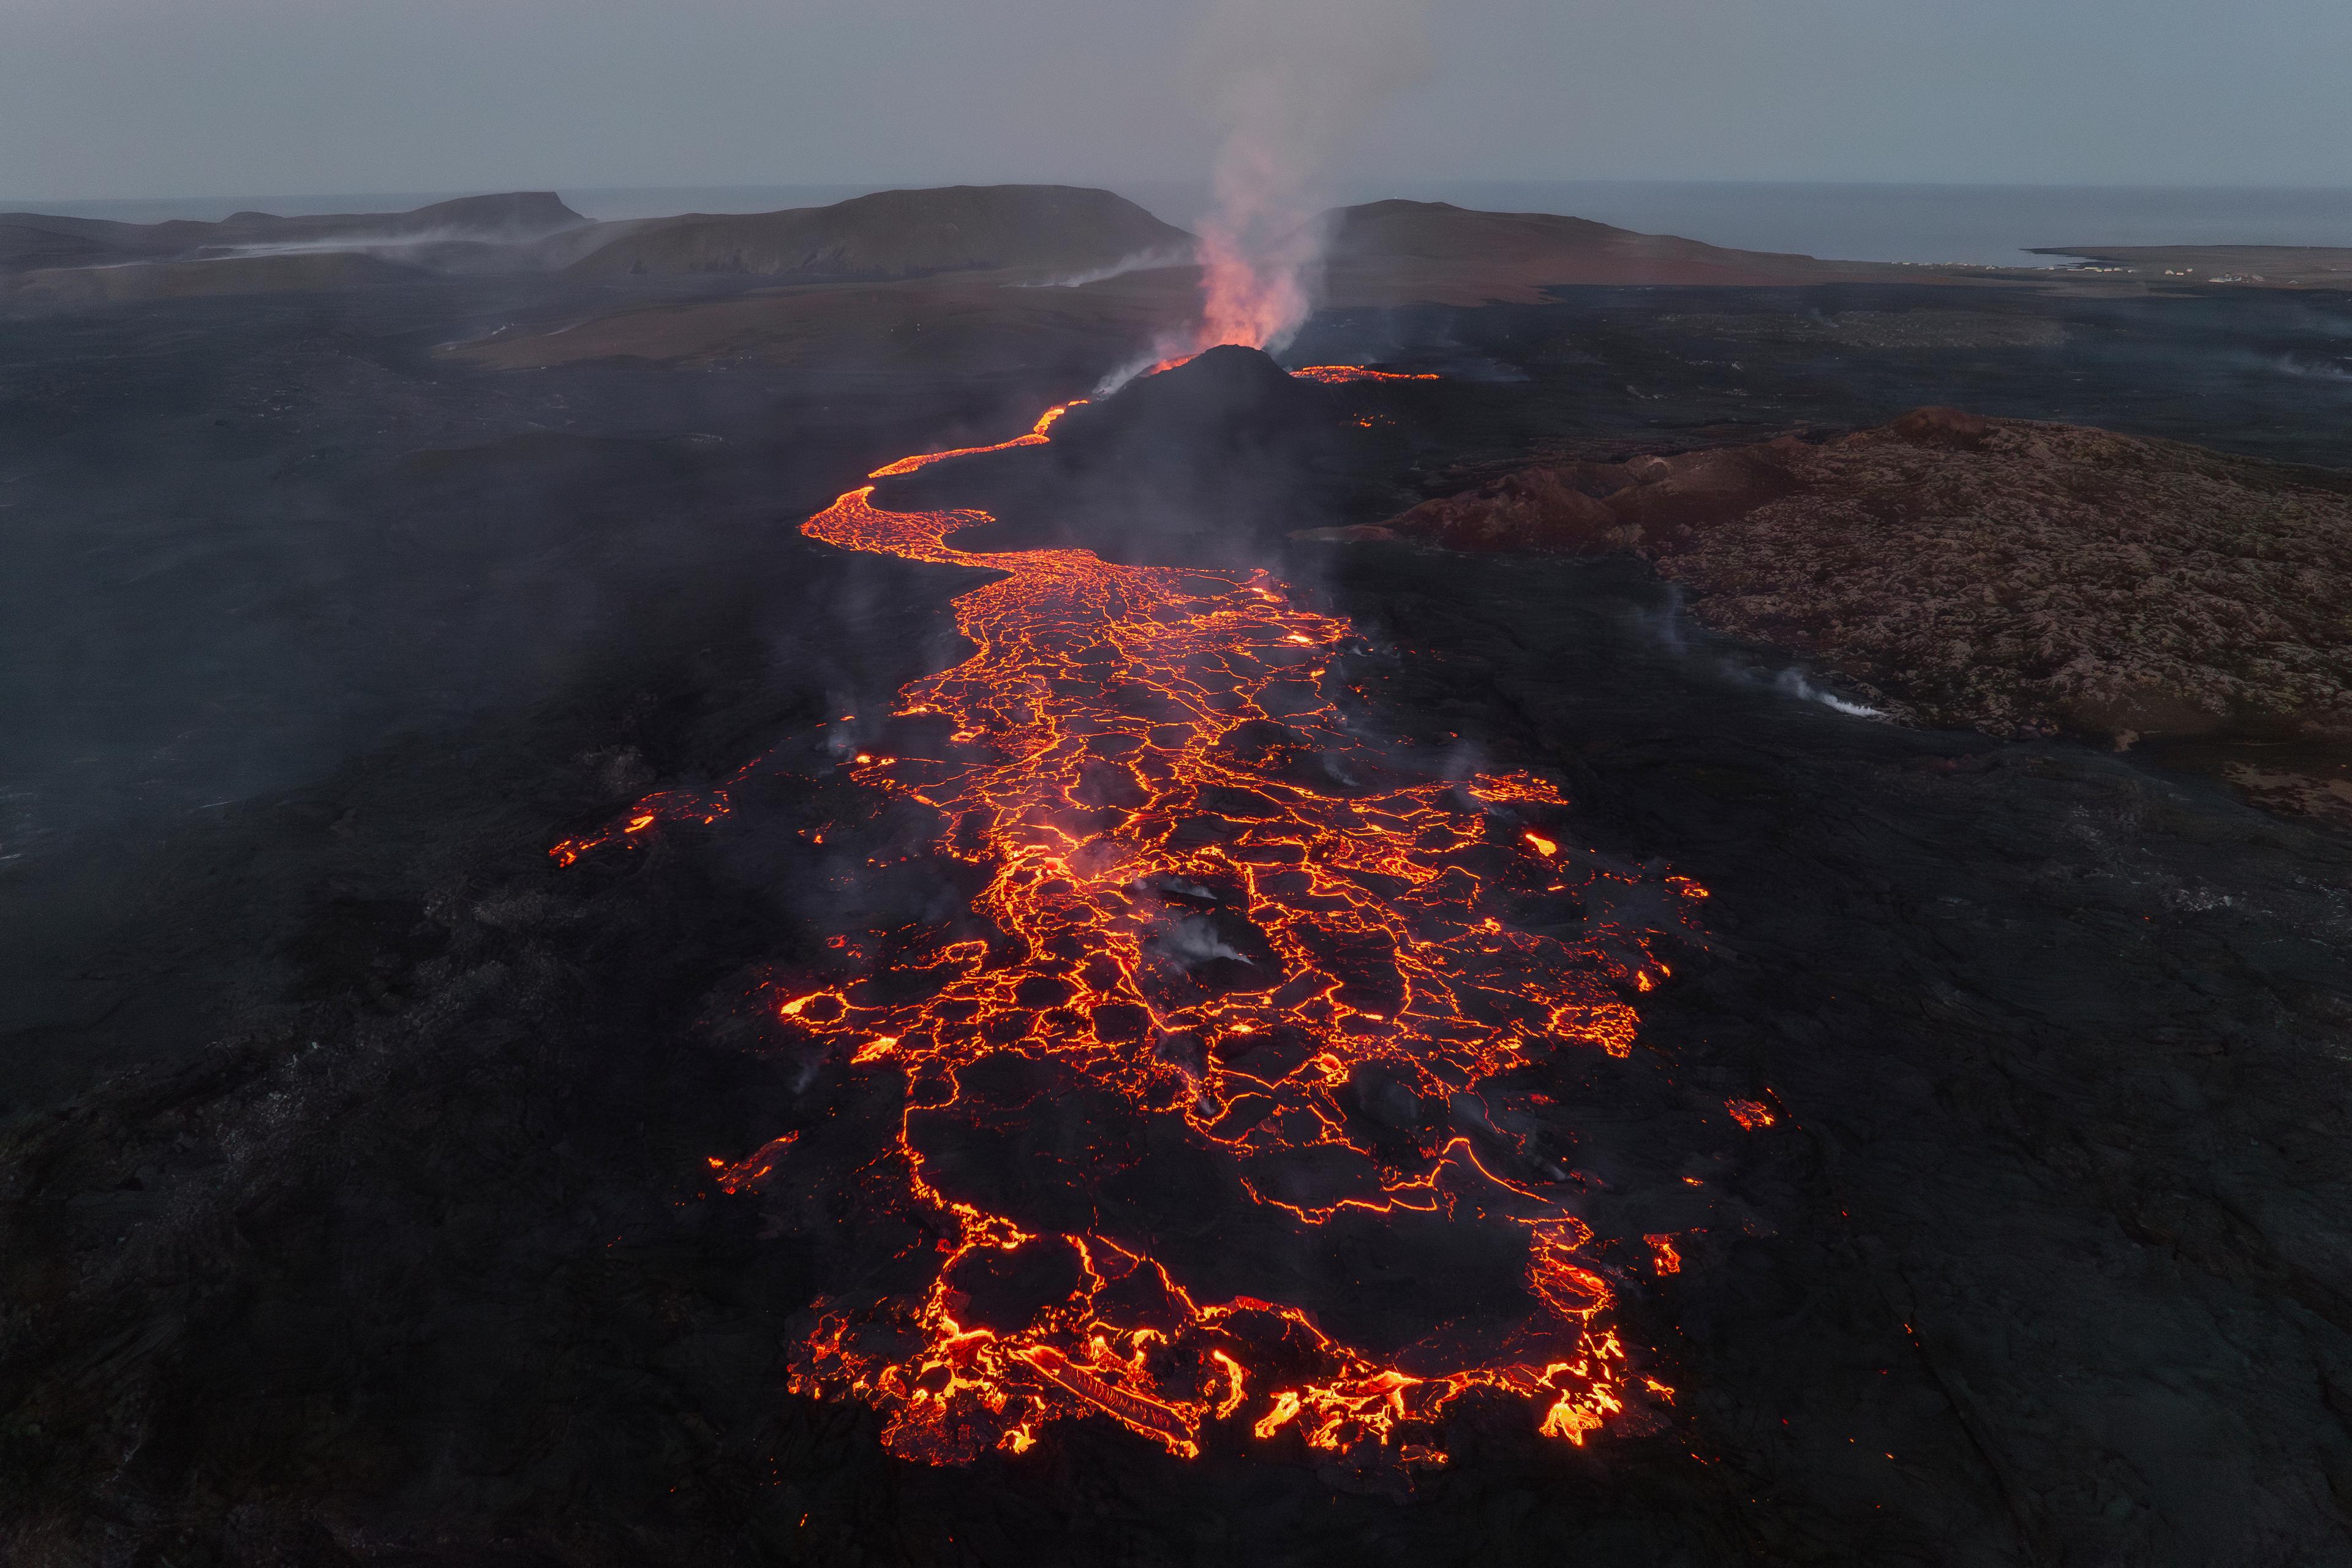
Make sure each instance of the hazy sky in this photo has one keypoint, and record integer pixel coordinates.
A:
(141, 97)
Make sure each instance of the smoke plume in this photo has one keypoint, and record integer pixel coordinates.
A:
(1288, 81)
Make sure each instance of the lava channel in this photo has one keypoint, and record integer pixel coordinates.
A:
(1268, 946)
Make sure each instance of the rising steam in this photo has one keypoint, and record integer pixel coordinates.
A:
(1288, 83)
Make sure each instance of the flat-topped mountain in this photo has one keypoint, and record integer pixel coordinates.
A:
(900, 234)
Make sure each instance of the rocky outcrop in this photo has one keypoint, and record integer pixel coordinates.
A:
(2014, 576)
(1576, 509)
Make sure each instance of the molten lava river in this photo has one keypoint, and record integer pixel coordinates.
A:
(1225, 999)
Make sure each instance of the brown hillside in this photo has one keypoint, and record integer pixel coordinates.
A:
(2010, 575)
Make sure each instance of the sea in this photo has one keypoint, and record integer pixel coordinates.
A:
(2000, 225)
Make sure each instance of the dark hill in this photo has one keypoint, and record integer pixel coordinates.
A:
(1439, 230)
(898, 234)
(516, 215)
(1225, 400)
(1398, 251)
(31, 241)
(512, 217)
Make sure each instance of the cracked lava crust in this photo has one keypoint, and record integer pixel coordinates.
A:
(1281, 972)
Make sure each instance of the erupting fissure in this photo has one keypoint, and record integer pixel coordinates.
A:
(1206, 892)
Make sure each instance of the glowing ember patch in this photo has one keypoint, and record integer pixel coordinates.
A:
(1750, 1114)
(875, 1048)
(756, 1169)
(1516, 789)
(1338, 375)
(1235, 1383)
(1569, 1420)
(1287, 1405)
(1663, 1255)
(1544, 847)
(680, 805)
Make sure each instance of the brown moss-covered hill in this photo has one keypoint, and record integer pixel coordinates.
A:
(2015, 576)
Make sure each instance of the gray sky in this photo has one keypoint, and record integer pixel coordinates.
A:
(141, 97)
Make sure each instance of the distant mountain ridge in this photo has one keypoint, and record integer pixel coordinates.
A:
(1043, 232)
(938, 262)
(36, 240)
(900, 233)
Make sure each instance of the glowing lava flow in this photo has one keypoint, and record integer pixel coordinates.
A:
(1340, 375)
(1210, 901)
(1036, 438)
